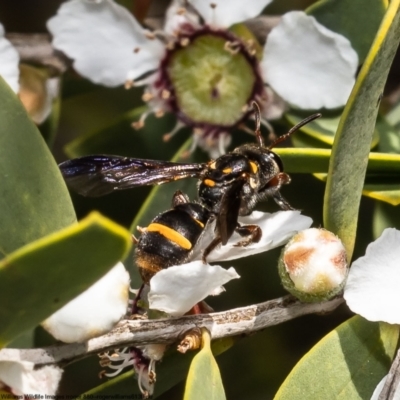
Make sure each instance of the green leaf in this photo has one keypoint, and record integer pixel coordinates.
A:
(41, 277)
(358, 20)
(346, 364)
(385, 216)
(322, 129)
(204, 379)
(34, 200)
(349, 158)
(389, 138)
(310, 160)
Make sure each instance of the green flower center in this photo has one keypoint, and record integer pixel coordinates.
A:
(213, 79)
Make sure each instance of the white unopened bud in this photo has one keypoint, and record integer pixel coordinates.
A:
(313, 265)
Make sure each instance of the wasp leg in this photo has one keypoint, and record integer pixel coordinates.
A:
(215, 242)
(282, 203)
(253, 233)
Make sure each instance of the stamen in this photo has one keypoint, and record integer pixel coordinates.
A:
(148, 80)
(271, 131)
(136, 50)
(129, 84)
(246, 129)
(170, 45)
(232, 47)
(144, 392)
(159, 113)
(107, 360)
(152, 372)
(222, 142)
(178, 126)
(165, 94)
(250, 47)
(150, 35)
(184, 42)
(147, 96)
(197, 135)
(140, 123)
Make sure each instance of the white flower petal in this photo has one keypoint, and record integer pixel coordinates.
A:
(176, 15)
(177, 289)
(9, 60)
(21, 377)
(95, 311)
(222, 13)
(277, 229)
(308, 65)
(372, 287)
(104, 40)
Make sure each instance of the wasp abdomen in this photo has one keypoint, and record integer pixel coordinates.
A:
(170, 238)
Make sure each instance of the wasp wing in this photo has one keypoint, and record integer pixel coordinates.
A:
(98, 175)
(227, 217)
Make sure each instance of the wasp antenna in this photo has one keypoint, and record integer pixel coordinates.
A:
(257, 132)
(294, 129)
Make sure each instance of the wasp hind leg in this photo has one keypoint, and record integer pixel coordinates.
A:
(253, 234)
(215, 243)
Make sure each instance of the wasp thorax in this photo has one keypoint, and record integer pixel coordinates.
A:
(212, 77)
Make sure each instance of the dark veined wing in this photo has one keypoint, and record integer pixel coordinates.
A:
(98, 175)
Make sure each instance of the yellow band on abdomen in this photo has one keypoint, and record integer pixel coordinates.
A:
(170, 234)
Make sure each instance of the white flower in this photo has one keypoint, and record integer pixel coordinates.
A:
(35, 89)
(22, 379)
(205, 74)
(177, 289)
(313, 265)
(9, 60)
(95, 311)
(372, 288)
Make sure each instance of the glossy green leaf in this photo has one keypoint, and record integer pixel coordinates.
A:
(322, 129)
(385, 216)
(358, 20)
(42, 276)
(386, 193)
(301, 139)
(347, 364)
(393, 116)
(389, 136)
(349, 158)
(34, 200)
(385, 189)
(308, 160)
(204, 379)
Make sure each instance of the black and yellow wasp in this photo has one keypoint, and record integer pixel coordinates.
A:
(228, 187)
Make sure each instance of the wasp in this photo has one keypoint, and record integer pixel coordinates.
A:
(228, 186)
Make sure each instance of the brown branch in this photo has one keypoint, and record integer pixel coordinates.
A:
(37, 49)
(238, 321)
(390, 389)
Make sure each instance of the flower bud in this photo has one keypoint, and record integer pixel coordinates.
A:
(313, 265)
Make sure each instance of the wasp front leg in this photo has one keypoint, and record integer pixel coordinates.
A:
(252, 233)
